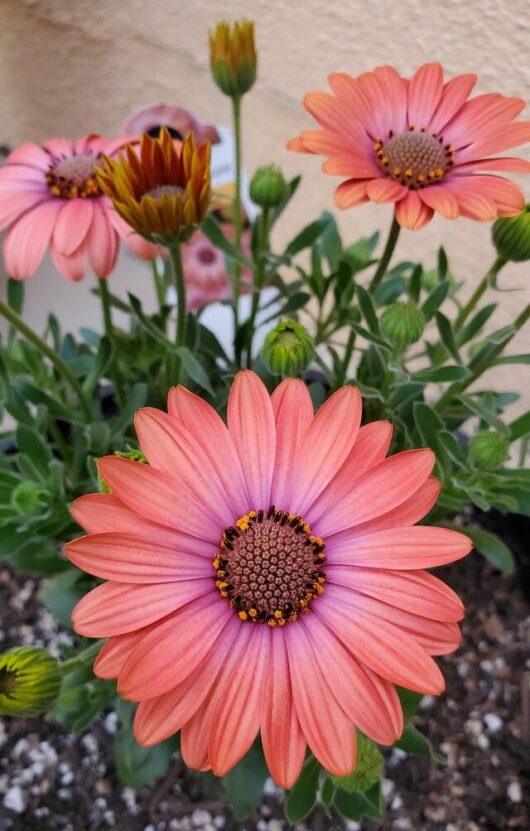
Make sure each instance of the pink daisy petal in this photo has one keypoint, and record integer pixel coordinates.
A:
(172, 504)
(102, 243)
(72, 225)
(332, 115)
(473, 203)
(74, 266)
(440, 198)
(455, 94)
(371, 702)
(14, 202)
(59, 147)
(413, 591)
(501, 139)
(284, 744)
(418, 546)
(332, 739)
(23, 175)
(480, 117)
(31, 155)
(385, 190)
(382, 488)
(354, 168)
(324, 142)
(238, 715)
(161, 717)
(174, 450)
(350, 193)
(293, 413)
(425, 91)
(412, 212)
(124, 557)
(116, 608)
(506, 163)
(27, 240)
(387, 650)
(328, 440)
(394, 99)
(507, 196)
(167, 654)
(251, 425)
(195, 734)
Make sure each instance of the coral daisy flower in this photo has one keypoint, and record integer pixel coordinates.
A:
(49, 196)
(205, 272)
(267, 576)
(418, 143)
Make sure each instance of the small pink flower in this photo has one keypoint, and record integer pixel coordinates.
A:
(418, 144)
(205, 272)
(49, 197)
(267, 576)
(178, 121)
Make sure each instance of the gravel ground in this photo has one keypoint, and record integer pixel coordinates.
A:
(49, 780)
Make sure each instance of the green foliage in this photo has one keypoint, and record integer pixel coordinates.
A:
(244, 783)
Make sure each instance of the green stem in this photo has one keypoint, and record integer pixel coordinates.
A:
(348, 352)
(180, 288)
(236, 115)
(85, 657)
(393, 235)
(15, 320)
(159, 284)
(109, 333)
(466, 310)
(258, 278)
(488, 361)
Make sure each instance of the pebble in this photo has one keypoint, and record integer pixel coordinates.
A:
(111, 723)
(515, 792)
(493, 722)
(16, 800)
(219, 822)
(428, 702)
(199, 818)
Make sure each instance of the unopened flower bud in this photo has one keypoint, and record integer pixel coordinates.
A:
(268, 187)
(511, 236)
(288, 349)
(233, 59)
(30, 681)
(403, 323)
(29, 498)
(489, 450)
(367, 769)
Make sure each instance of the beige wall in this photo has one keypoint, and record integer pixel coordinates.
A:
(70, 67)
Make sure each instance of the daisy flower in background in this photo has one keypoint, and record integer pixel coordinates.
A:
(49, 196)
(267, 576)
(178, 121)
(205, 271)
(419, 144)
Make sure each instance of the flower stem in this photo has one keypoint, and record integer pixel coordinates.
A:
(488, 361)
(466, 310)
(85, 657)
(180, 288)
(109, 333)
(393, 235)
(159, 284)
(16, 321)
(258, 278)
(236, 115)
(348, 352)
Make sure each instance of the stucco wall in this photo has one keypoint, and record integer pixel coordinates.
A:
(82, 66)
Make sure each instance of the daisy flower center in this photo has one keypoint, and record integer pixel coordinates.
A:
(158, 192)
(70, 177)
(415, 158)
(269, 567)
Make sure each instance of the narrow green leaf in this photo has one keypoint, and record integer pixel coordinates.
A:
(212, 230)
(441, 374)
(367, 307)
(103, 360)
(443, 265)
(303, 794)
(194, 368)
(492, 548)
(520, 427)
(373, 338)
(15, 295)
(435, 300)
(244, 783)
(446, 334)
(513, 359)
(410, 701)
(477, 406)
(452, 448)
(415, 283)
(307, 236)
(476, 323)
(412, 741)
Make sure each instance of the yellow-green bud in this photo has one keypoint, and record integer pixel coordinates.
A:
(511, 236)
(131, 453)
(489, 450)
(403, 323)
(288, 348)
(30, 681)
(367, 769)
(233, 58)
(29, 498)
(268, 187)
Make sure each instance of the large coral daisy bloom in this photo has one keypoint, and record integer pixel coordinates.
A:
(267, 576)
(49, 196)
(419, 144)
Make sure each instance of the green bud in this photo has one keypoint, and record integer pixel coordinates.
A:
(489, 450)
(511, 236)
(29, 498)
(403, 323)
(30, 681)
(288, 349)
(268, 187)
(131, 453)
(367, 769)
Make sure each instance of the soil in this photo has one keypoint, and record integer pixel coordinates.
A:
(49, 780)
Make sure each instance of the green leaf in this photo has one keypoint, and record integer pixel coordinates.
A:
(367, 307)
(61, 592)
(412, 741)
(295, 302)
(355, 805)
(452, 448)
(33, 445)
(428, 424)
(492, 548)
(138, 766)
(520, 427)
(410, 701)
(479, 407)
(513, 359)
(415, 283)
(103, 360)
(370, 336)
(327, 792)
(194, 368)
(292, 187)
(476, 323)
(435, 300)
(443, 265)
(244, 783)
(446, 334)
(146, 321)
(367, 770)
(15, 295)
(441, 374)
(307, 236)
(303, 795)
(212, 230)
